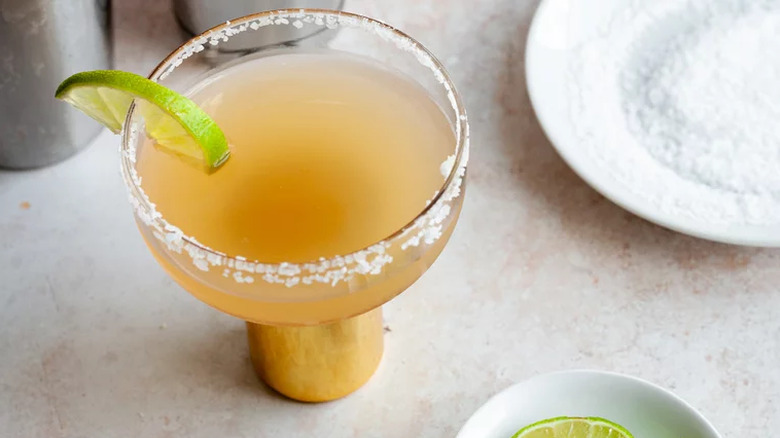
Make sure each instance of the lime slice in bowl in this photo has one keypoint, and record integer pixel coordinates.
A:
(175, 122)
(573, 427)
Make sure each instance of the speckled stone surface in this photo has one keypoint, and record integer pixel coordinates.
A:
(541, 274)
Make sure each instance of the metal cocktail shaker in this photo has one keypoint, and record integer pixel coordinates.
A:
(197, 16)
(41, 43)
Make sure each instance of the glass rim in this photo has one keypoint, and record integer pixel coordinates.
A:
(140, 200)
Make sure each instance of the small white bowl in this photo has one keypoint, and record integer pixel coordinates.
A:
(558, 31)
(646, 410)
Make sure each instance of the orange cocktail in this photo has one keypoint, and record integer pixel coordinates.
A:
(344, 183)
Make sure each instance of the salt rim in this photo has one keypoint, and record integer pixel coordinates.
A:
(426, 228)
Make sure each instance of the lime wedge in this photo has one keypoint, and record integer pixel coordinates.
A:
(175, 122)
(573, 427)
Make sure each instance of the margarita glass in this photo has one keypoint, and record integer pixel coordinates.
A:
(314, 322)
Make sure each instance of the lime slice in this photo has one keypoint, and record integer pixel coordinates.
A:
(175, 122)
(573, 427)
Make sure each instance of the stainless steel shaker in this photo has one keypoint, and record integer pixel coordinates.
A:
(41, 43)
(197, 16)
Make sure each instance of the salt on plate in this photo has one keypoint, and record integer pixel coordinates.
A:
(679, 101)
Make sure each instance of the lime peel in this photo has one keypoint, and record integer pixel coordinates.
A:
(573, 427)
(175, 122)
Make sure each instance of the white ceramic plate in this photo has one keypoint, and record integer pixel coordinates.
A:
(558, 27)
(646, 410)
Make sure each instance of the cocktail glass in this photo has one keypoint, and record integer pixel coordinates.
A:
(315, 329)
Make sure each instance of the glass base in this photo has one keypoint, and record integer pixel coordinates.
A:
(318, 363)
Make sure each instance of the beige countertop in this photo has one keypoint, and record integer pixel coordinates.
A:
(541, 274)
